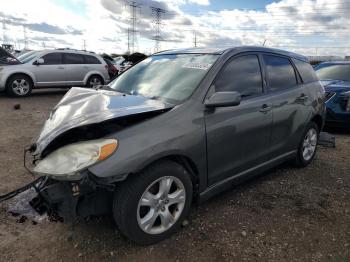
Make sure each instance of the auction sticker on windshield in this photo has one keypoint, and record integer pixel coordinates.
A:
(200, 66)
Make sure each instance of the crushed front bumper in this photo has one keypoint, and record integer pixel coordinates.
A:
(66, 201)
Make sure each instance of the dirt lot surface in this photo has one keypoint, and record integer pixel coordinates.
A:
(289, 214)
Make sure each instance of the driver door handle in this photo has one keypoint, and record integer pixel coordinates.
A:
(265, 108)
(60, 67)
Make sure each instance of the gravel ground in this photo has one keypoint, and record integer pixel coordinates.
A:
(288, 214)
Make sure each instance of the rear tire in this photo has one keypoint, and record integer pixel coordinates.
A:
(94, 81)
(308, 145)
(150, 206)
(19, 86)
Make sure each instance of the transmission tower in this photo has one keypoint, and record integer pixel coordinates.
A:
(132, 32)
(157, 22)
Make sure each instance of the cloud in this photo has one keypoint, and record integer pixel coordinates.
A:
(296, 25)
(199, 2)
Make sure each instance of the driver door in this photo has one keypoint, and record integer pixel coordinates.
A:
(238, 137)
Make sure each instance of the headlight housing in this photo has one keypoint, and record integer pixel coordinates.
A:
(66, 162)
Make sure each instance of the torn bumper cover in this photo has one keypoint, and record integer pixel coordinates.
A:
(66, 201)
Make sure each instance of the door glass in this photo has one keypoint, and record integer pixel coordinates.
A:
(52, 59)
(243, 75)
(73, 59)
(89, 59)
(281, 74)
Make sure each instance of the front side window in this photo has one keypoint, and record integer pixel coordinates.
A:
(52, 59)
(280, 72)
(243, 75)
(171, 77)
(333, 72)
(72, 59)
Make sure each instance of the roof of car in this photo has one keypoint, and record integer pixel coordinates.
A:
(337, 62)
(238, 49)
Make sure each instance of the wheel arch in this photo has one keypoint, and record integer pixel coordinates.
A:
(31, 77)
(185, 161)
(318, 120)
(93, 73)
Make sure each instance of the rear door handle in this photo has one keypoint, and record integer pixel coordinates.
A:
(265, 108)
(60, 67)
(302, 98)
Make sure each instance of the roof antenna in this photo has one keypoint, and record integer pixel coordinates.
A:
(264, 42)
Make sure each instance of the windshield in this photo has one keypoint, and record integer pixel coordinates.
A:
(333, 72)
(25, 58)
(169, 77)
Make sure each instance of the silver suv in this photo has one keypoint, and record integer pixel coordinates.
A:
(52, 68)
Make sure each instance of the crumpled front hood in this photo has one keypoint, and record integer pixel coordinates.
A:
(81, 106)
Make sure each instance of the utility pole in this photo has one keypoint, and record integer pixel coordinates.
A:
(157, 22)
(25, 37)
(84, 45)
(4, 41)
(195, 38)
(132, 37)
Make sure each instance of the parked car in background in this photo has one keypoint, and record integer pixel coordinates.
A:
(112, 69)
(6, 58)
(335, 76)
(181, 125)
(53, 68)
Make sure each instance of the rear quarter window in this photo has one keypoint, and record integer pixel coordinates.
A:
(89, 59)
(305, 70)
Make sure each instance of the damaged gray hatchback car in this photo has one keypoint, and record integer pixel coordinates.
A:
(176, 128)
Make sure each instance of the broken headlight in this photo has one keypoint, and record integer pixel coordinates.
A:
(66, 162)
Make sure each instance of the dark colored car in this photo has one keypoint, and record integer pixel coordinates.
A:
(178, 127)
(112, 69)
(335, 76)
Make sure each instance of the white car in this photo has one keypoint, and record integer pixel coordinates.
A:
(53, 68)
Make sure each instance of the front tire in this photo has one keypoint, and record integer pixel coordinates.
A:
(19, 86)
(150, 206)
(308, 145)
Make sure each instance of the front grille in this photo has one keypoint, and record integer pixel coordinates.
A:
(328, 95)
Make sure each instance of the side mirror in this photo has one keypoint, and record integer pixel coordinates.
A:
(223, 99)
(39, 61)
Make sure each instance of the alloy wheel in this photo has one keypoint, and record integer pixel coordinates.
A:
(309, 144)
(20, 87)
(161, 205)
(95, 81)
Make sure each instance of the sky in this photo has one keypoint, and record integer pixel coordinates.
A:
(309, 27)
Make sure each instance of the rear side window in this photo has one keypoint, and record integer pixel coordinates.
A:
(306, 71)
(89, 59)
(242, 74)
(73, 59)
(280, 73)
(52, 59)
